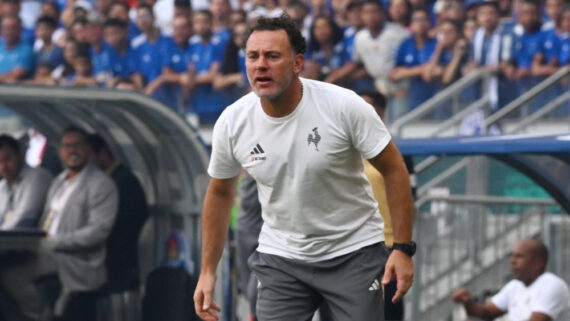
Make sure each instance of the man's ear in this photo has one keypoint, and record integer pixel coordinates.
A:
(298, 61)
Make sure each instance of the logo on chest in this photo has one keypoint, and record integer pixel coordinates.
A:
(314, 138)
(257, 154)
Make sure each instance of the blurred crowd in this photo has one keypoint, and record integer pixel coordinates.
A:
(190, 55)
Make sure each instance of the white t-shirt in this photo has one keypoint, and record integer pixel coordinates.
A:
(548, 294)
(378, 54)
(316, 201)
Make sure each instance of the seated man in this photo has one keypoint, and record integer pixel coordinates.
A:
(122, 246)
(79, 214)
(533, 295)
(23, 189)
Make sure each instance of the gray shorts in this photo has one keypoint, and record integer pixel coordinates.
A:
(291, 290)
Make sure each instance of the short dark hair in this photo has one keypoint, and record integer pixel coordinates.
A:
(7, 141)
(75, 130)
(114, 22)
(378, 99)
(47, 20)
(183, 4)
(205, 12)
(97, 143)
(373, 2)
(146, 7)
(285, 23)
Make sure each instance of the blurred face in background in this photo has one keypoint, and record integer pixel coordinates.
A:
(372, 16)
(11, 29)
(239, 33)
(323, 31)
(565, 23)
(95, 33)
(114, 35)
(74, 151)
(469, 28)
(488, 17)
(554, 10)
(44, 32)
(145, 20)
(420, 23)
(181, 31)
(119, 11)
(10, 164)
(353, 15)
(398, 11)
(448, 34)
(220, 8)
(529, 15)
(79, 32)
(49, 9)
(82, 66)
(202, 24)
(70, 51)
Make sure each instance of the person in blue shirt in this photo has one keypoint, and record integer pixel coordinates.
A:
(121, 57)
(232, 77)
(221, 10)
(451, 44)
(100, 52)
(150, 45)
(564, 54)
(49, 53)
(206, 52)
(175, 82)
(325, 49)
(412, 57)
(120, 10)
(553, 9)
(16, 56)
(526, 45)
(546, 60)
(13, 8)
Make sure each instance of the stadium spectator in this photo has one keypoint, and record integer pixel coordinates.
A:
(206, 53)
(487, 46)
(174, 80)
(150, 45)
(375, 47)
(122, 58)
(526, 45)
(78, 31)
(50, 9)
(325, 49)
(43, 76)
(469, 27)
(237, 16)
(221, 11)
(63, 71)
(546, 60)
(459, 55)
(400, 12)
(298, 11)
(16, 56)
(564, 54)
(354, 24)
(232, 76)
(449, 36)
(412, 57)
(12, 8)
(23, 189)
(49, 53)
(534, 294)
(182, 8)
(553, 9)
(83, 69)
(100, 51)
(120, 10)
(122, 261)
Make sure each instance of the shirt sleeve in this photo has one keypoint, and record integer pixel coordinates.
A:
(401, 55)
(367, 132)
(551, 299)
(222, 161)
(501, 299)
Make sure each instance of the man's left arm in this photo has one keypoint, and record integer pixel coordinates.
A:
(390, 163)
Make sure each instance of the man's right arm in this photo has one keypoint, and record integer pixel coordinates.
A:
(487, 311)
(215, 224)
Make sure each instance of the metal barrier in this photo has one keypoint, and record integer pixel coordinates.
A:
(451, 93)
(466, 240)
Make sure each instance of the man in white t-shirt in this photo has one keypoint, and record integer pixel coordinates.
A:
(303, 142)
(533, 295)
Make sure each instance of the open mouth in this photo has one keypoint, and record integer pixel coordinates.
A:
(263, 80)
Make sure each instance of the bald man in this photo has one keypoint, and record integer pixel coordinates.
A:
(533, 294)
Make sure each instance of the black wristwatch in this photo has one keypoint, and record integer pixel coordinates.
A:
(408, 248)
